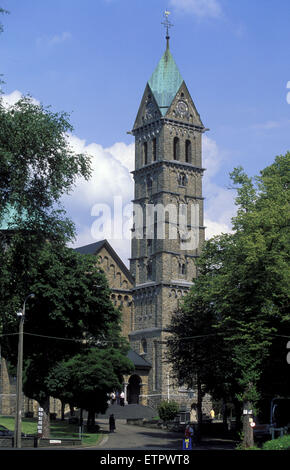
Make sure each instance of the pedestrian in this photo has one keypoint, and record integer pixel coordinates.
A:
(113, 397)
(112, 423)
(189, 431)
(122, 398)
(188, 436)
(118, 397)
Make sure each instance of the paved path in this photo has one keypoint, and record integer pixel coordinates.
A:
(130, 437)
(137, 437)
(128, 411)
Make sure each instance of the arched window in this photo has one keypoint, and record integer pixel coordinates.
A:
(176, 148)
(118, 277)
(149, 270)
(149, 183)
(182, 179)
(188, 151)
(182, 268)
(145, 153)
(143, 346)
(154, 150)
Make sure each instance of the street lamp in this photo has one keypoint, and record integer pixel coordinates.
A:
(17, 431)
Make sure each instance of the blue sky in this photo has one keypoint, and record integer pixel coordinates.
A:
(93, 58)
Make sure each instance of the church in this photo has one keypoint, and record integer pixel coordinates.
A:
(168, 176)
(165, 240)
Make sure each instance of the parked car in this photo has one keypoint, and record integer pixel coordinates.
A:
(5, 432)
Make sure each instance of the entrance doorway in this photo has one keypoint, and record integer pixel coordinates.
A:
(133, 389)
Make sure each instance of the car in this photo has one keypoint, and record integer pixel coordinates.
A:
(5, 432)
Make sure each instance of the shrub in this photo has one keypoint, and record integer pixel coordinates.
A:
(281, 443)
(168, 410)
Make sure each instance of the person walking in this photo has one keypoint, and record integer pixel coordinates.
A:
(113, 398)
(112, 423)
(189, 435)
(122, 398)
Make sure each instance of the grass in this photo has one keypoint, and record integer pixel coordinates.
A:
(29, 426)
(281, 443)
(58, 429)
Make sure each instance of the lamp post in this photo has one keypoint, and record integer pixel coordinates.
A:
(17, 431)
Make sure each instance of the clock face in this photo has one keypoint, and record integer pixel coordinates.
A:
(182, 107)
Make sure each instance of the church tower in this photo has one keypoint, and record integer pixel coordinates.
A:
(168, 228)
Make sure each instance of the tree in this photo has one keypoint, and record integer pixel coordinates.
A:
(200, 357)
(37, 164)
(85, 380)
(71, 308)
(243, 281)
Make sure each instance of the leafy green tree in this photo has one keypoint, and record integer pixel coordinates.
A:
(243, 282)
(199, 356)
(37, 166)
(71, 308)
(85, 380)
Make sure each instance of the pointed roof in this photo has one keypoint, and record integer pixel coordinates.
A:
(94, 248)
(165, 81)
(138, 361)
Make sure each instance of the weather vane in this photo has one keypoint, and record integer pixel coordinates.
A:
(167, 23)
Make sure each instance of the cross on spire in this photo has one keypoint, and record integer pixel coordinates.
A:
(167, 24)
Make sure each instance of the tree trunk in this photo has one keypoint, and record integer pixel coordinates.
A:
(46, 418)
(199, 410)
(238, 413)
(81, 417)
(62, 410)
(225, 416)
(248, 440)
(91, 421)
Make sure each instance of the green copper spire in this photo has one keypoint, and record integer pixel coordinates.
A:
(165, 81)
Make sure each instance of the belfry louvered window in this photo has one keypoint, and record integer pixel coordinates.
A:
(145, 153)
(176, 148)
(188, 151)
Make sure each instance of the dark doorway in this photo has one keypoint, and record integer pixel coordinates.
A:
(133, 389)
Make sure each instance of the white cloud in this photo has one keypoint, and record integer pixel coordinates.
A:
(200, 8)
(12, 98)
(124, 153)
(110, 178)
